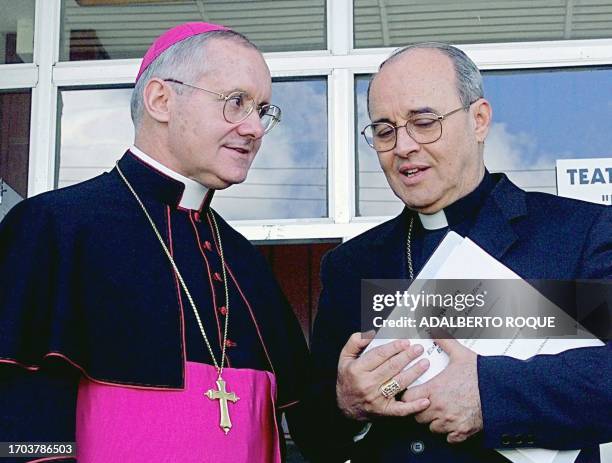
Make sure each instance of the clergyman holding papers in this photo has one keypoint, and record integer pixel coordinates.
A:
(429, 123)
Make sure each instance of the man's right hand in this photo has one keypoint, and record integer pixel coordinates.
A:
(360, 378)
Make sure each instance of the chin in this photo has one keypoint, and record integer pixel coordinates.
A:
(422, 200)
(422, 205)
(229, 181)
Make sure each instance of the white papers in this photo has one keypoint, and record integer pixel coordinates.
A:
(461, 258)
(540, 455)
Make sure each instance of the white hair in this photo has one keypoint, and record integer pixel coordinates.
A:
(184, 61)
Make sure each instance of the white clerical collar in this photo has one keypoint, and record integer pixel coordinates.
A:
(194, 193)
(434, 221)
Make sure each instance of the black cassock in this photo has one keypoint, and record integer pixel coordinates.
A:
(85, 289)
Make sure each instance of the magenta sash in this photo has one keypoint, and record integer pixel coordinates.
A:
(125, 424)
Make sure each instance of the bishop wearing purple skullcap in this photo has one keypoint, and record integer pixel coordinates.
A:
(134, 320)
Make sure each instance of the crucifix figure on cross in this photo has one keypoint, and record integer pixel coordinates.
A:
(223, 396)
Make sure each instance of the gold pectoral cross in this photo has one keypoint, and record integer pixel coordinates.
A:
(223, 396)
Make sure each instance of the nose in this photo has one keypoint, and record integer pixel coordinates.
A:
(251, 126)
(405, 144)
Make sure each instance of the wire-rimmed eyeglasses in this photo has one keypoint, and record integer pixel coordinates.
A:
(239, 105)
(424, 128)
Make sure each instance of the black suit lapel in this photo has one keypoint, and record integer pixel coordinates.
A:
(493, 229)
(388, 257)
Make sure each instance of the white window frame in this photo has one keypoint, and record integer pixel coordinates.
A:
(339, 64)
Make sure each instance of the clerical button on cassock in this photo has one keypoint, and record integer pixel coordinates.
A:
(505, 439)
(206, 245)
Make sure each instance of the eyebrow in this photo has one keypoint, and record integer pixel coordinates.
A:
(425, 109)
(259, 105)
(413, 112)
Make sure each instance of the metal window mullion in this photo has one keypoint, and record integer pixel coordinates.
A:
(340, 112)
(487, 56)
(511, 55)
(18, 76)
(341, 146)
(109, 72)
(41, 171)
(303, 230)
(532, 55)
(339, 26)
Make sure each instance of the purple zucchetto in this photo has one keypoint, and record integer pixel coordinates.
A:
(175, 35)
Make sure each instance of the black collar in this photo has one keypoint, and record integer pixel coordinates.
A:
(505, 204)
(151, 183)
(470, 205)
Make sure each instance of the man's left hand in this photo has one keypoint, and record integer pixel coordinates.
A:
(455, 401)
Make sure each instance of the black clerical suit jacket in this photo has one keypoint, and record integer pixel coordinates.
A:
(558, 402)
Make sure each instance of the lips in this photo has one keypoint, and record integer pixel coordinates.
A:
(239, 149)
(411, 170)
(413, 174)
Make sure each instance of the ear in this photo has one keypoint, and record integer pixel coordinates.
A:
(156, 97)
(483, 114)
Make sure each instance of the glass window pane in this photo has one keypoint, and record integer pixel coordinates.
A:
(289, 176)
(288, 179)
(116, 29)
(542, 116)
(400, 22)
(14, 147)
(16, 31)
(538, 117)
(95, 130)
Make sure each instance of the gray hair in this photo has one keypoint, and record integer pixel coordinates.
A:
(183, 61)
(469, 79)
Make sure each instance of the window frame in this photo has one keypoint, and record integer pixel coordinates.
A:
(339, 64)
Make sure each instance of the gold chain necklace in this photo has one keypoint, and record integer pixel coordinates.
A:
(220, 394)
(409, 249)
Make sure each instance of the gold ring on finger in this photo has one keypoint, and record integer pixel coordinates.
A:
(390, 389)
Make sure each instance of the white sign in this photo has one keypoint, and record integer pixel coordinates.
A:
(585, 179)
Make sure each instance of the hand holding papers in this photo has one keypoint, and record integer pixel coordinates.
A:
(459, 258)
(359, 378)
(455, 403)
